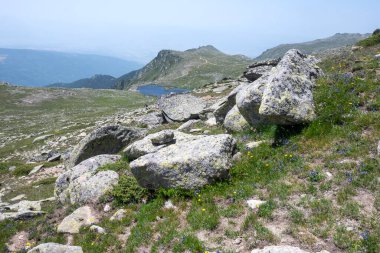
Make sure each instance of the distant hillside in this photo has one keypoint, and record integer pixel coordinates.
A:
(315, 46)
(40, 68)
(189, 69)
(94, 82)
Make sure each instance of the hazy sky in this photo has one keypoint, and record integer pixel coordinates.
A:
(139, 29)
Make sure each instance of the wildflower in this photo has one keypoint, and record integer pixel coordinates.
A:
(199, 200)
(234, 192)
(28, 244)
(364, 235)
(203, 209)
(267, 165)
(286, 155)
(290, 156)
(350, 103)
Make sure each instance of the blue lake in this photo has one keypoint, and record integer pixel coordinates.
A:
(157, 90)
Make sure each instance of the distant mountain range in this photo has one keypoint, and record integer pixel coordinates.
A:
(315, 46)
(94, 82)
(188, 69)
(40, 68)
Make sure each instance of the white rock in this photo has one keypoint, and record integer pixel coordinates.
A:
(71, 224)
(55, 248)
(195, 130)
(98, 229)
(253, 144)
(18, 197)
(169, 205)
(211, 121)
(282, 249)
(118, 215)
(107, 208)
(36, 169)
(255, 203)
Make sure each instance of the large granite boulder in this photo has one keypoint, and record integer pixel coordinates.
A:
(104, 140)
(284, 94)
(149, 143)
(234, 121)
(189, 162)
(56, 248)
(83, 183)
(256, 70)
(181, 107)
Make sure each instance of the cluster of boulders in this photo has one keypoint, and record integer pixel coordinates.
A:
(277, 92)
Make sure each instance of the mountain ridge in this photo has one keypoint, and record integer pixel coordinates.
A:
(314, 46)
(191, 68)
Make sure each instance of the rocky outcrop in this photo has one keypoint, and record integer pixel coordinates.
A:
(83, 216)
(189, 162)
(234, 121)
(256, 70)
(282, 249)
(181, 107)
(104, 140)
(150, 120)
(283, 95)
(56, 248)
(83, 184)
(24, 209)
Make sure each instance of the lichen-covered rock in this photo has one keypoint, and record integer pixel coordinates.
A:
(282, 249)
(185, 127)
(288, 97)
(187, 164)
(83, 184)
(83, 216)
(150, 120)
(256, 70)
(181, 107)
(283, 95)
(146, 146)
(104, 140)
(56, 248)
(163, 137)
(234, 121)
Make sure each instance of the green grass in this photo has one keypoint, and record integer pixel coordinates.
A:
(371, 41)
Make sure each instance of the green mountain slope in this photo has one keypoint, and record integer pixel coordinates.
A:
(94, 82)
(40, 68)
(335, 41)
(189, 69)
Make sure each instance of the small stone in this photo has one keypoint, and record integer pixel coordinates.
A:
(254, 203)
(163, 137)
(12, 168)
(82, 134)
(54, 158)
(36, 169)
(211, 121)
(238, 241)
(98, 229)
(329, 175)
(206, 131)
(253, 144)
(377, 56)
(18, 197)
(119, 215)
(107, 208)
(195, 130)
(237, 157)
(43, 137)
(169, 205)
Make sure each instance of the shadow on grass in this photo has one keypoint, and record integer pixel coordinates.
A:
(283, 133)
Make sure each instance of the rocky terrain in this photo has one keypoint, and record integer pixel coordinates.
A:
(283, 159)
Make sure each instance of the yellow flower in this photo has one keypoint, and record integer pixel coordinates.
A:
(28, 244)
(207, 251)
(203, 209)
(199, 200)
(267, 165)
(234, 192)
(290, 156)
(286, 155)
(350, 103)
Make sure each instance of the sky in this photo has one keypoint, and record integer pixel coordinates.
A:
(137, 30)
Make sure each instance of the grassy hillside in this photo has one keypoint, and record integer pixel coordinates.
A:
(189, 69)
(40, 68)
(95, 82)
(315, 46)
(320, 182)
(27, 111)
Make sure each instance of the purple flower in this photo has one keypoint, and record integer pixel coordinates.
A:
(365, 235)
